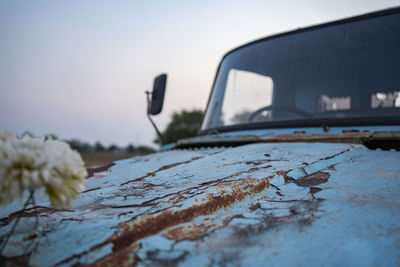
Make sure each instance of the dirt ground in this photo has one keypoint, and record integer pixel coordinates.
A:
(104, 158)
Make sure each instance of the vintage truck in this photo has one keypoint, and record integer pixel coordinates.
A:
(297, 162)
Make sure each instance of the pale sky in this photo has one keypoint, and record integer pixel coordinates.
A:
(79, 68)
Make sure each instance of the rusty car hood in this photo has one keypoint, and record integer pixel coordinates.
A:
(257, 204)
(366, 135)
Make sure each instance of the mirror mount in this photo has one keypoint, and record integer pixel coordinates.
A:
(156, 100)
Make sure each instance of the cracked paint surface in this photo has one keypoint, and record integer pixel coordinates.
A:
(269, 203)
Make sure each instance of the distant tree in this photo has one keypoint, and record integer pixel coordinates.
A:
(80, 146)
(182, 125)
(112, 148)
(98, 147)
(244, 115)
(130, 149)
(83, 147)
(86, 147)
(144, 150)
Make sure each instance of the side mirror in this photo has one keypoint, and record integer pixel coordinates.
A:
(157, 96)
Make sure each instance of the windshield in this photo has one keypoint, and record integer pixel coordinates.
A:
(347, 70)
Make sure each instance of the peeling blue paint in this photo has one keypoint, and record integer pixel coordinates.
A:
(350, 217)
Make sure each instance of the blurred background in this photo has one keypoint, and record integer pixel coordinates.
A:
(79, 69)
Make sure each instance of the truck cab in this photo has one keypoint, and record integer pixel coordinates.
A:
(325, 79)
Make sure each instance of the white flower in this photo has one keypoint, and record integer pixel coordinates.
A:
(5, 135)
(32, 163)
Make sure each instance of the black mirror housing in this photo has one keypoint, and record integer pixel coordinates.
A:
(157, 96)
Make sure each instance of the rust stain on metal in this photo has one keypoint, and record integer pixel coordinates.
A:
(313, 179)
(350, 131)
(347, 137)
(335, 155)
(286, 178)
(386, 135)
(259, 168)
(176, 198)
(255, 163)
(189, 232)
(254, 206)
(124, 257)
(259, 162)
(154, 223)
(92, 171)
(165, 167)
(314, 190)
(93, 189)
(31, 212)
(251, 162)
(147, 185)
(237, 174)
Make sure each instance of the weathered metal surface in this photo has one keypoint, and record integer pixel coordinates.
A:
(268, 203)
(355, 135)
(98, 172)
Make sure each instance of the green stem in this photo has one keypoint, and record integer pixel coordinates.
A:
(28, 201)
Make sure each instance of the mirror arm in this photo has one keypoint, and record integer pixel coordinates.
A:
(162, 138)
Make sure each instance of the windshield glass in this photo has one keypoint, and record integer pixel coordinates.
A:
(346, 70)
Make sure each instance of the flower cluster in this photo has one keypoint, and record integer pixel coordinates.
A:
(33, 163)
